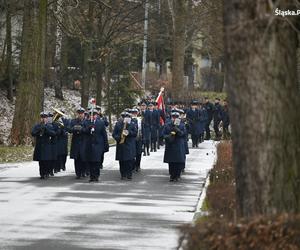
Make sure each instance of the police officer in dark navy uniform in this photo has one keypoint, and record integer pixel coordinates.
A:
(217, 116)
(43, 132)
(125, 132)
(175, 150)
(225, 120)
(96, 144)
(203, 121)
(209, 107)
(62, 143)
(183, 120)
(106, 124)
(55, 167)
(154, 126)
(77, 152)
(162, 119)
(194, 121)
(146, 127)
(139, 138)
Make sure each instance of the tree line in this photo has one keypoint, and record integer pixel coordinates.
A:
(98, 42)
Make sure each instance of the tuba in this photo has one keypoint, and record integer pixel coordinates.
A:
(57, 117)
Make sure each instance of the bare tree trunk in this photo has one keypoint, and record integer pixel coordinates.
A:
(108, 92)
(85, 85)
(57, 60)
(189, 68)
(50, 46)
(30, 89)
(100, 68)
(86, 67)
(64, 62)
(261, 79)
(298, 61)
(9, 52)
(179, 33)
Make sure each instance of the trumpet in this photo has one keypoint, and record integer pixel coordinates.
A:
(57, 117)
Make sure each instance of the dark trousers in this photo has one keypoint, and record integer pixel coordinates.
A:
(216, 128)
(44, 168)
(146, 146)
(137, 164)
(126, 168)
(160, 136)
(226, 133)
(79, 167)
(57, 165)
(195, 140)
(175, 169)
(94, 167)
(207, 129)
(62, 161)
(52, 166)
(101, 161)
(153, 144)
(201, 137)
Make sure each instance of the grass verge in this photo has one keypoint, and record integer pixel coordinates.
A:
(15, 154)
(221, 230)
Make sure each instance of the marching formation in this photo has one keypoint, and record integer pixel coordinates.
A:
(139, 131)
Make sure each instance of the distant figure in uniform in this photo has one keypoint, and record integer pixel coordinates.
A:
(125, 132)
(217, 118)
(154, 126)
(203, 121)
(55, 167)
(162, 117)
(225, 120)
(175, 150)
(106, 123)
(146, 128)
(77, 151)
(209, 107)
(195, 125)
(96, 144)
(139, 138)
(43, 132)
(182, 120)
(62, 144)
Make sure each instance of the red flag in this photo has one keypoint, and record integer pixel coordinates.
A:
(161, 105)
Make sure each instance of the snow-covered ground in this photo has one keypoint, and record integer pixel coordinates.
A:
(64, 213)
(71, 102)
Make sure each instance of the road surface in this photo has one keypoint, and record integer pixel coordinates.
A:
(64, 213)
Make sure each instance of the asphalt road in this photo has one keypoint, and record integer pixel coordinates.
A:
(64, 213)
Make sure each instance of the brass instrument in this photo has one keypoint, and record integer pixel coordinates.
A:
(123, 136)
(57, 117)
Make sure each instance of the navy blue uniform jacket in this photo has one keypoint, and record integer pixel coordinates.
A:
(127, 150)
(175, 149)
(95, 143)
(195, 124)
(76, 127)
(43, 148)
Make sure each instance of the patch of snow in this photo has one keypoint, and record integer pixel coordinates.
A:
(71, 101)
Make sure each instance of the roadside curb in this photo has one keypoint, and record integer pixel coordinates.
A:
(198, 213)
